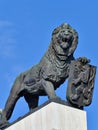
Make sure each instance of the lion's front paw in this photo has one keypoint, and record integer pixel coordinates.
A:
(84, 60)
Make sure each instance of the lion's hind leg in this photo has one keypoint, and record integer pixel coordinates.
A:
(11, 101)
(9, 107)
(32, 101)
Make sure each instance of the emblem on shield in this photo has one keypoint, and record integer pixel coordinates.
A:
(81, 82)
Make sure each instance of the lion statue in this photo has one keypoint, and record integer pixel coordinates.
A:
(45, 77)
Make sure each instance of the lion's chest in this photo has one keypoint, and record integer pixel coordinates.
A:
(54, 72)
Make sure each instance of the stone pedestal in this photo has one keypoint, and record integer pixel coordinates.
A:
(52, 116)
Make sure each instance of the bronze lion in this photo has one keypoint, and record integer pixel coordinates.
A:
(45, 77)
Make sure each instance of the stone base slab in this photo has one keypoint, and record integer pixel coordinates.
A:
(53, 116)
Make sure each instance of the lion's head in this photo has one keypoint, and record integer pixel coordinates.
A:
(64, 39)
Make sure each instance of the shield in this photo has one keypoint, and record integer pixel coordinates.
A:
(80, 83)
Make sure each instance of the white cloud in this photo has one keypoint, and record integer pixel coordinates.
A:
(7, 51)
(7, 40)
(5, 23)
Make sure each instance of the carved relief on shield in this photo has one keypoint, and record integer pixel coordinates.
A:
(80, 83)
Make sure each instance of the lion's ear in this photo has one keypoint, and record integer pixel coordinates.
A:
(56, 30)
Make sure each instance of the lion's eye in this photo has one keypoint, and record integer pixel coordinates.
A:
(62, 31)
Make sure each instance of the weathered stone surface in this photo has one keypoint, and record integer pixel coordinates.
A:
(53, 116)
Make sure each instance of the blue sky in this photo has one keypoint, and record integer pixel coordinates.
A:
(25, 34)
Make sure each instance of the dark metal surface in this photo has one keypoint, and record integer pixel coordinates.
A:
(81, 82)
